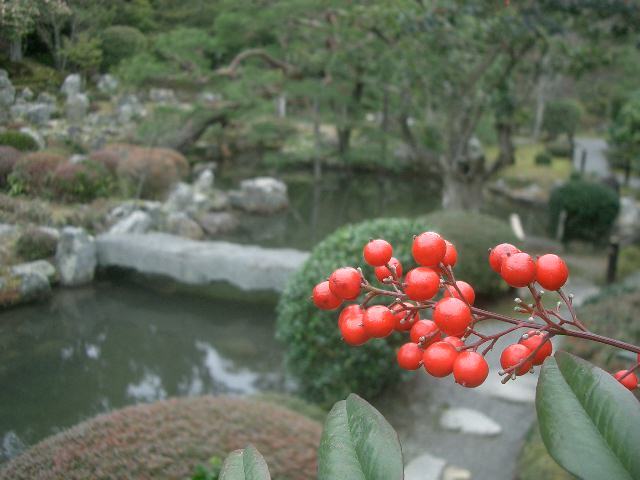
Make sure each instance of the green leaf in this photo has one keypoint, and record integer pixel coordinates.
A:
(245, 464)
(359, 444)
(589, 423)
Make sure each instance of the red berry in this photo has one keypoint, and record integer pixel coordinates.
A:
(630, 381)
(535, 338)
(345, 283)
(324, 298)
(402, 322)
(409, 356)
(452, 316)
(470, 369)
(551, 272)
(352, 330)
(377, 252)
(518, 270)
(378, 321)
(499, 253)
(421, 283)
(513, 355)
(429, 249)
(438, 359)
(426, 329)
(467, 292)
(350, 311)
(383, 272)
(450, 255)
(455, 341)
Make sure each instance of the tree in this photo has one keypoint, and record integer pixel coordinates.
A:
(625, 135)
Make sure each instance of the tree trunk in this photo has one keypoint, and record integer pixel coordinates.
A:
(344, 138)
(15, 49)
(462, 193)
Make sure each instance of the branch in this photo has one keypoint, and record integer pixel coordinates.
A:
(232, 69)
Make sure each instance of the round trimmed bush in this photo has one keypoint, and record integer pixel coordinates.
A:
(120, 42)
(591, 210)
(543, 158)
(167, 439)
(325, 367)
(32, 173)
(36, 243)
(9, 156)
(18, 140)
(81, 182)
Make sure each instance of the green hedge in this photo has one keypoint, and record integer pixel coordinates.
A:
(325, 367)
(591, 210)
(18, 140)
(120, 42)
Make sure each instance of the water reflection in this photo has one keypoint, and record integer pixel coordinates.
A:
(91, 350)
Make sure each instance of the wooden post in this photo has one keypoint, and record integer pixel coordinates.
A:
(583, 161)
(612, 266)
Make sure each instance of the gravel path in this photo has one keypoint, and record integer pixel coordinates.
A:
(596, 161)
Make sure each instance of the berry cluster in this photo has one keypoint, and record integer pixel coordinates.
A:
(448, 342)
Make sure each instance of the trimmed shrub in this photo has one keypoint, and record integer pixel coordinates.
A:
(81, 182)
(167, 439)
(120, 42)
(562, 117)
(32, 173)
(591, 210)
(107, 158)
(543, 158)
(9, 156)
(326, 369)
(18, 140)
(36, 243)
(560, 148)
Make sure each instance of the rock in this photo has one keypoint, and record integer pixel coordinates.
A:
(17, 288)
(200, 167)
(7, 229)
(37, 136)
(209, 97)
(216, 223)
(76, 108)
(628, 221)
(38, 113)
(76, 257)
(127, 208)
(26, 94)
(44, 97)
(180, 198)
(260, 195)
(129, 108)
(108, 84)
(182, 225)
(218, 200)
(136, 222)
(7, 91)
(72, 85)
(468, 421)
(204, 182)
(424, 467)
(452, 472)
(523, 390)
(247, 267)
(162, 95)
(77, 158)
(42, 267)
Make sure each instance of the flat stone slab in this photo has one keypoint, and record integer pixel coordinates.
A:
(247, 267)
(468, 421)
(424, 467)
(41, 266)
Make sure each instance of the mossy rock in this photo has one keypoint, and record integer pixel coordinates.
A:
(168, 439)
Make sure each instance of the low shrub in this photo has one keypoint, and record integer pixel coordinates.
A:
(9, 156)
(562, 117)
(167, 439)
(81, 182)
(18, 140)
(560, 148)
(32, 173)
(36, 243)
(107, 158)
(543, 158)
(325, 367)
(591, 209)
(120, 42)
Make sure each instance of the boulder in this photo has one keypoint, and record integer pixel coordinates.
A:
(72, 85)
(7, 91)
(153, 209)
(180, 198)
(129, 108)
(108, 84)
(182, 225)
(23, 287)
(44, 97)
(136, 222)
(76, 108)
(216, 223)
(26, 94)
(260, 195)
(38, 113)
(42, 267)
(204, 182)
(76, 257)
(162, 95)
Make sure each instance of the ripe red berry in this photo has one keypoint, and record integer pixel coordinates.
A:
(455, 341)
(630, 381)
(421, 283)
(429, 249)
(409, 356)
(513, 355)
(470, 369)
(518, 270)
(551, 272)
(402, 321)
(377, 252)
(535, 338)
(383, 272)
(345, 283)
(350, 311)
(452, 316)
(438, 359)
(352, 330)
(424, 329)
(378, 321)
(499, 253)
(450, 255)
(324, 298)
(467, 292)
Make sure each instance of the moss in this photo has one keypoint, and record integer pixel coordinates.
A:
(168, 439)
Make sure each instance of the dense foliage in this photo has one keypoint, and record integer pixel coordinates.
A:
(18, 140)
(36, 243)
(324, 366)
(625, 135)
(120, 42)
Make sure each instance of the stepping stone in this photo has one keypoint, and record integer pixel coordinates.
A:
(522, 390)
(466, 420)
(452, 472)
(424, 467)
